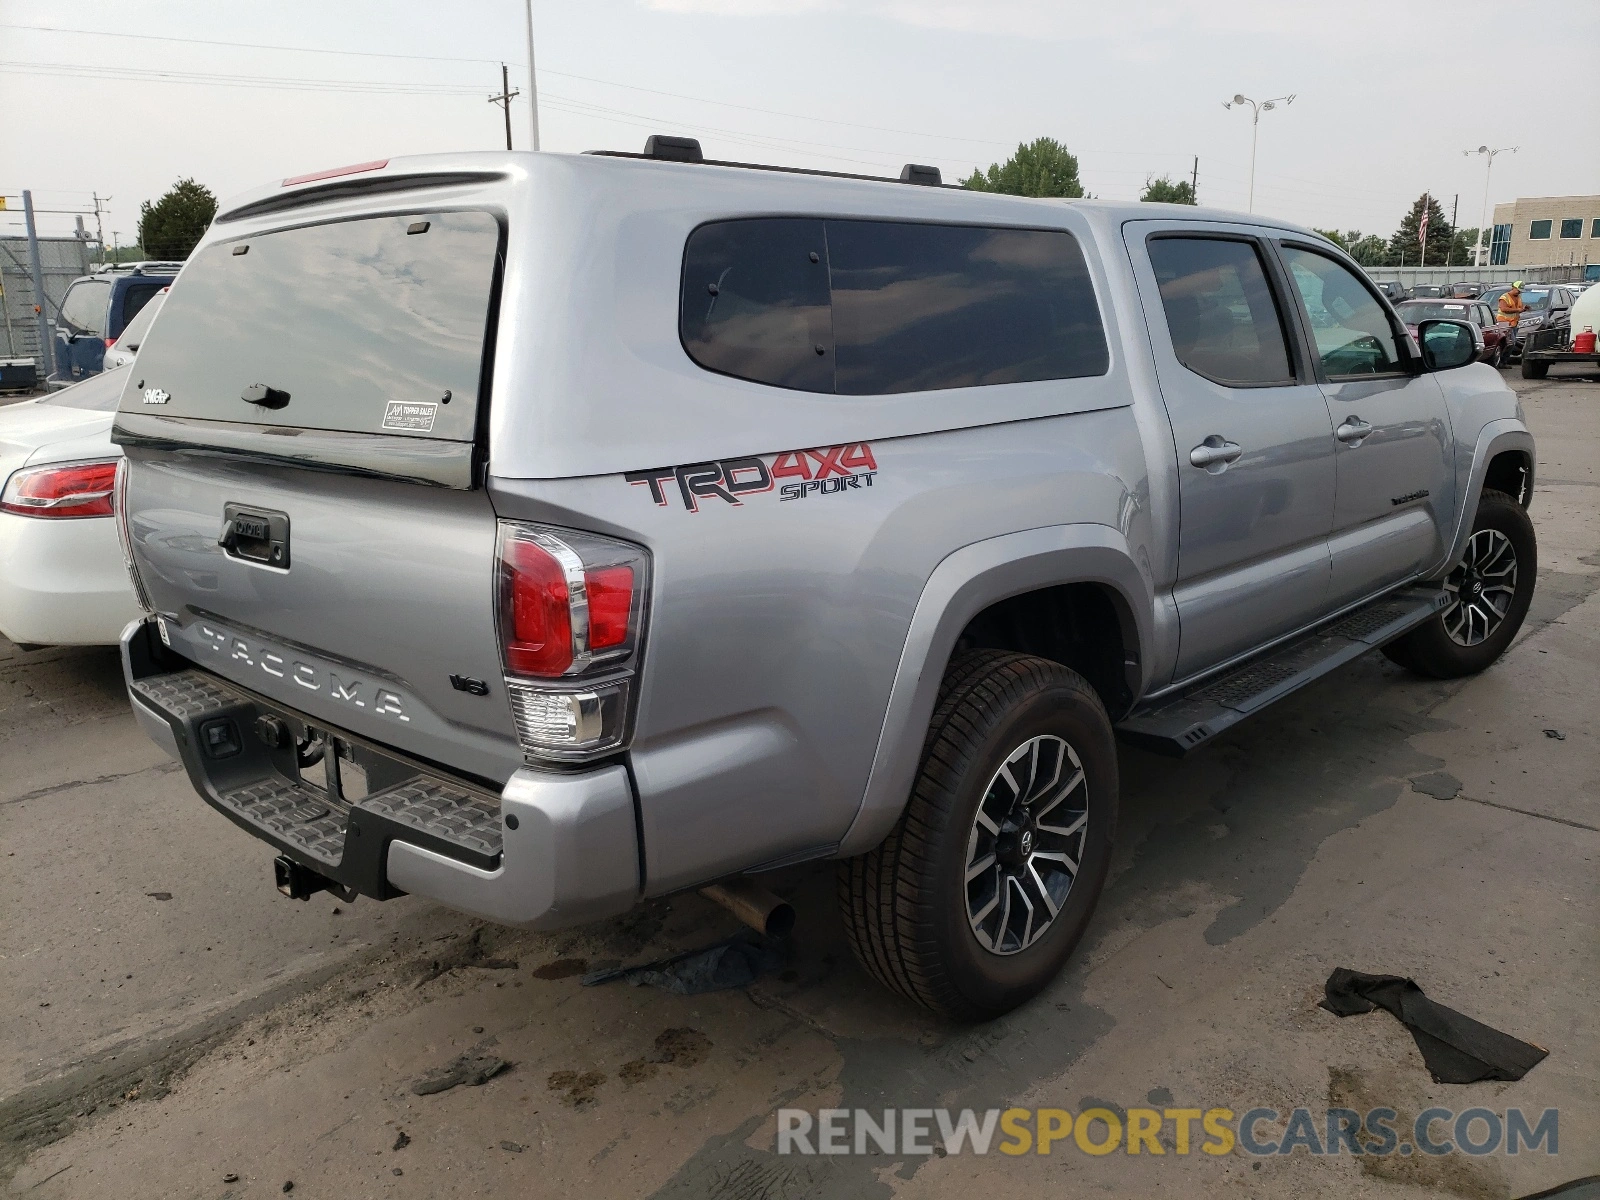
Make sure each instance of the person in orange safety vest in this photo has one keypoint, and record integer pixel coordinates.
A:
(1511, 307)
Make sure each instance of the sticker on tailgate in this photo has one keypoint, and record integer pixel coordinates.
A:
(413, 418)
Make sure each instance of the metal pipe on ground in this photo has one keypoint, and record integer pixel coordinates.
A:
(755, 906)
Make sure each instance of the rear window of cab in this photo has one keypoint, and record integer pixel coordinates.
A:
(863, 307)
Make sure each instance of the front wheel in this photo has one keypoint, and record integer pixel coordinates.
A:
(1490, 589)
(1534, 370)
(976, 898)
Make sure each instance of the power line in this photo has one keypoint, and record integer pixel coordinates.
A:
(84, 71)
(150, 37)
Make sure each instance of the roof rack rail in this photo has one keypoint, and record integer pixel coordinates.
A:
(142, 266)
(664, 148)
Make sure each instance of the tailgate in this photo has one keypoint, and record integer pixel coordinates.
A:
(302, 495)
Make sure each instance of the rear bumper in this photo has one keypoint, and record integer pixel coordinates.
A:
(63, 583)
(550, 850)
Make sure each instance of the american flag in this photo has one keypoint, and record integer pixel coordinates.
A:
(1422, 225)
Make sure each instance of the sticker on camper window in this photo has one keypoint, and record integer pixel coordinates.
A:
(413, 418)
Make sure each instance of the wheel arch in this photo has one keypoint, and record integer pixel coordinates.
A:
(1092, 562)
(1504, 459)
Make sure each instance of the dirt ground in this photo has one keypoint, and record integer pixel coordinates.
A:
(178, 1029)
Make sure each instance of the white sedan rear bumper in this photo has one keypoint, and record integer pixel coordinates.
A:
(63, 582)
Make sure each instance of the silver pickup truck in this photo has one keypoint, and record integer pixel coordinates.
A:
(541, 533)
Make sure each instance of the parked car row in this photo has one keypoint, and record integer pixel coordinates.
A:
(1545, 306)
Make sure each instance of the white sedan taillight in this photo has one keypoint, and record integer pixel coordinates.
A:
(61, 490)
(571, 610)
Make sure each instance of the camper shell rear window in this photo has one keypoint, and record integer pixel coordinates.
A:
(373, 325)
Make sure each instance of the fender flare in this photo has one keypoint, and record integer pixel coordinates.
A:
(965, 583)
(1508, 433)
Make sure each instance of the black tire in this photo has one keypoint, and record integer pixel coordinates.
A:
(906, 903)
(1534, 370)
(1431, 649)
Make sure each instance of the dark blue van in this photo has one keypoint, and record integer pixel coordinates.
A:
(96, 309)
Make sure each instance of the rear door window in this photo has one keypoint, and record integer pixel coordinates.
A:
(374, 325)
(83, 308)
(881, 307)
(1220, 311)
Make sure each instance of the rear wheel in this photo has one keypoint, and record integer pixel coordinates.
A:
(977, 897)
(1534, 370)
(1491, 590)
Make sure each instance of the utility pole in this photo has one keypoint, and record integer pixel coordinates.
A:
(1455, 206)
(1483, 220)
(47, 350)
(99, 229)
(504, 100)
(1256, 109)
(533, 77)
(1194, 181)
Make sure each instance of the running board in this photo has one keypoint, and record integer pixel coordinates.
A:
(1178, 723)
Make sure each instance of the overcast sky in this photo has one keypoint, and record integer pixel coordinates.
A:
(1389, 92)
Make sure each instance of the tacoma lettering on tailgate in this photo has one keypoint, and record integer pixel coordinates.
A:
(347, 690)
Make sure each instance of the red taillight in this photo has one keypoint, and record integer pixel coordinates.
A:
(67, 490)
(539, 610)
(610, 591)
(570, 602)
(110, 342)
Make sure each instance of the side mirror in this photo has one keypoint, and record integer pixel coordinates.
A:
(1448, 344)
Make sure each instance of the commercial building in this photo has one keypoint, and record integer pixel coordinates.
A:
(1548, 231)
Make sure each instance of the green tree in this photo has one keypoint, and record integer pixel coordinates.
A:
(1466, 241)
(1369, 250)
(1404, 247)
(1337, 238)
(1164, 191)
(170, 227)
(1043, 167)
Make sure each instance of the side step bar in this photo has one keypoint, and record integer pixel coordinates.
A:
(1176, 724)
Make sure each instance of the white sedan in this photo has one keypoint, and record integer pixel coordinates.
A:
(62, 577)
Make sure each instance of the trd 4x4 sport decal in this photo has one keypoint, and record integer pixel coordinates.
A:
(813, 473)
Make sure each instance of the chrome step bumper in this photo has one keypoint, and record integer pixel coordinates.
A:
(549, 850)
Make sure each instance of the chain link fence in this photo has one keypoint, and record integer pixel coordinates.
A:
(61, 260)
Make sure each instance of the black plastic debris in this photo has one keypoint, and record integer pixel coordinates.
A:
(474, 1070)
(1555, 734)
(735, 962)
(1455, 1048)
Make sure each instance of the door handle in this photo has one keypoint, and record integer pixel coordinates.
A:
(1353, 430)
(1215, 453)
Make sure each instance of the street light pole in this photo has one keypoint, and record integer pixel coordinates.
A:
(533, 78)
(1256, 109)
(1484, 216)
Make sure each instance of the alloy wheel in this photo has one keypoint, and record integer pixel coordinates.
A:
(1026, 844)
(1482, 587)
